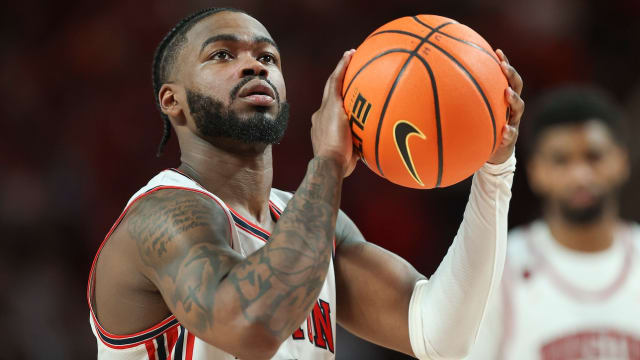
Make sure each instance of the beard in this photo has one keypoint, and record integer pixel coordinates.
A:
(214, 120)
(583, 215)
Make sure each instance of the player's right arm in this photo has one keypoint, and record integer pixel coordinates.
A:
(223, 298)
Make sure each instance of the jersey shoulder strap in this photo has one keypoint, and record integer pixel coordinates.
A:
(280, 198)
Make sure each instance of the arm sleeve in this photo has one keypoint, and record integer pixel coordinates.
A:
(491, 334)
(445, 311)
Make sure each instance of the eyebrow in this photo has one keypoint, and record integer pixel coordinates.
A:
(232, 37)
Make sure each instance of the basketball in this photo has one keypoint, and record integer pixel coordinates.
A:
(425, 100)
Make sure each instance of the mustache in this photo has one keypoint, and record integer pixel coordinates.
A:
(244, 81)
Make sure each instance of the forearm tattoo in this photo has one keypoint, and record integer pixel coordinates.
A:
(275, 286)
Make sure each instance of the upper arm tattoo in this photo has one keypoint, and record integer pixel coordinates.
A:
(161, 217)
(183, 236)
(182, 239)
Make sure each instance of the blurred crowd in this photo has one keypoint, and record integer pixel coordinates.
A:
(81, 131)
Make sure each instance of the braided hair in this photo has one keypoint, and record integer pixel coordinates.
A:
(166, 55)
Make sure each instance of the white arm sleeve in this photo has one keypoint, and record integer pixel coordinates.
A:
(445, 311)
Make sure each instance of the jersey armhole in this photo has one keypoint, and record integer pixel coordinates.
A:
(130, 340)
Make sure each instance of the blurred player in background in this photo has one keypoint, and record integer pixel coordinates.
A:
(571, 284)
(208, 261)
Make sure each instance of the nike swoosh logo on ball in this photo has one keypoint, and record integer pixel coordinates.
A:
(402, 130)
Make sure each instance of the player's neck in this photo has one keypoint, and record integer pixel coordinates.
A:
(241, 178)
(590, 237)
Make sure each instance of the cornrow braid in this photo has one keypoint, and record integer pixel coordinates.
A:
(165, 57)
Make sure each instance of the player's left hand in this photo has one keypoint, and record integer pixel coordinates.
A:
(516, 108)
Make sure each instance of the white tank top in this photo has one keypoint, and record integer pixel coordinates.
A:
(314, 339)
(559, 304)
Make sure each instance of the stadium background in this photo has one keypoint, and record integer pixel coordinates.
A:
(80, 130)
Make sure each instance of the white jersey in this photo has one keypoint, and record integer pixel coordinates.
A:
(314, 339)
(557, 304)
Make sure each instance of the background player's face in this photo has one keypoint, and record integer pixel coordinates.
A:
(232, 79)
(577, 170)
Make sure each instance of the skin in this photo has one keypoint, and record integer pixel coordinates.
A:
(171, 254)
(575, 165)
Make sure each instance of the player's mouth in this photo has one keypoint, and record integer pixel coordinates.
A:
(257, 93)
(582, 198)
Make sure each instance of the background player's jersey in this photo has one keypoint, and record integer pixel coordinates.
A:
(558, 304)
(315, 339)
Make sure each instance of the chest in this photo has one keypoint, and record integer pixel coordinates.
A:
(315, 337)
(551, 318)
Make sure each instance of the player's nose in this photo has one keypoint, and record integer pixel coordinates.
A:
(253, 67)
(580, 172)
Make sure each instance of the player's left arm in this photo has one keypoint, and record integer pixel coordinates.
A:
(383, 299)
(374, 287)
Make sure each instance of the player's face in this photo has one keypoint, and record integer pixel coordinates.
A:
(232, 76)
(577, 170)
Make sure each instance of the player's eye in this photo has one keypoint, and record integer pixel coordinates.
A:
(220, 55)
(267, 59)
(559, 159)
(594, 156)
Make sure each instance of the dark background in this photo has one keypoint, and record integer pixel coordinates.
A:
(80, 130)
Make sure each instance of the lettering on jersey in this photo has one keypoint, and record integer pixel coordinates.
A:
(604, 344)
(298, 334)
(322, 325)
(309, 331)
(319, 326)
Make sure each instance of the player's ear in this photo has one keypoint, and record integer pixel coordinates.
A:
(621, 166)
(535, 175)
(170, 103)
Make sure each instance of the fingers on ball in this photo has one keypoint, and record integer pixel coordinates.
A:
(336, 78)
(514, 78)
(502, 55)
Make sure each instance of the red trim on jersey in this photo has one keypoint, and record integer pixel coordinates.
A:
(272, 206)
(95, 259)
(172, 338)
(334, 245)
(141, 334)
(250, 232)
(176, 170)
(276, 211)
(151, 349)
(249, 222)
(185, 175)
(190, 341)
(584, 294)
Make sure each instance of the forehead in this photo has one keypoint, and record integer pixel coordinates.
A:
(239, 24)
(587, 135)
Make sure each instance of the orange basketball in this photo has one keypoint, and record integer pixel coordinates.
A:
(425, 99)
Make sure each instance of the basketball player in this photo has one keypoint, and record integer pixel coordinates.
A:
(207, 261)
(571, 285)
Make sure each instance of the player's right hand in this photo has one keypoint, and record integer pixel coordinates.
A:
(330, 131)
